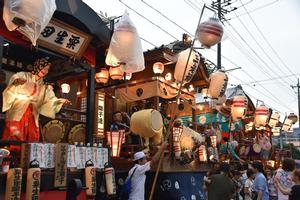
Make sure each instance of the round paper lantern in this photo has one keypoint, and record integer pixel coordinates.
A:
(65, 88)
(192, 65)
(168, 77)
(210, 32)
(261, 116)
(274, 119)
(217, 84)
(102, 76)
(287, 125)
(158, 68)
(116, 73)
(293, 117)
(238, 107)
(276, 131)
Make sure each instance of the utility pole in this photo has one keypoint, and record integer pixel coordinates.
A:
(219, 44)
(298, 92)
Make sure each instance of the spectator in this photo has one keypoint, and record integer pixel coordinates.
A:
(248, 185)
(294, 192)
(284, 175)
(260, 185)
(140, 168)
(121, 121)
(271, 183)
(221, 185)
(237, 184)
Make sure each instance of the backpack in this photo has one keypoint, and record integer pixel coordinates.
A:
(126, 189)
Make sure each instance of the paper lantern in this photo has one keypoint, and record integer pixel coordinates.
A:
(213, 140)
(204, 92)
(168, 77)
(102, 76)
(116, 73)
(276, 131)
(158, 68)
(128, 76)
(217, 84)
(238, 107)
(115, 139)
(65, 88)
(177, 132)
(177, 149)
(287, 125)
(261, 116)
(202, 153)
(192, 65)
(274, 119)
(210, 32)
(271, 163)
(28, 17)
(191, 88)
(125, 47)
(293, 117)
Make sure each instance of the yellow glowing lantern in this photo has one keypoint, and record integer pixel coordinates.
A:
(115, 139)
(271, 163)
(102, 76)
(217, 84)
(261, 116)
(287, 125)
(158, 68)
(238, 107)
(128, 76)
(202, 153)
(274, 119)
(293, 117)
(177, 132)
(213, 140)
(65, 88)
(276, 131)
(116, 73)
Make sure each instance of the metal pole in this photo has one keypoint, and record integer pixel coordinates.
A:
(219, 44)
(90, 106)
(298, 86)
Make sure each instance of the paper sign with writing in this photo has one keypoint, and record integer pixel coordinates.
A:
(36, 152)
(80, 157)
(61, 158)
(49, 155)
(71, 156)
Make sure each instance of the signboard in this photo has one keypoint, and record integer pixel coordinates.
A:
(61, 158)
(64, 38)
(100, 114)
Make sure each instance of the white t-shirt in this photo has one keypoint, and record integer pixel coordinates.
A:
(138, 181)
(248, 184)
(286, 180)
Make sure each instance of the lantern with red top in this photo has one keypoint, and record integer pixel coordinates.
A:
(261, 117)
(158, 68)
(102, 76)
(274, 119)
(115, 140)
(287, 125)
(116, 73)
(293, 117)
(238, 107)
(202, 153)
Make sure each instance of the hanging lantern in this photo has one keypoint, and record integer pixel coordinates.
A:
(115, 139)
(125, 47)
(177, 132)
(293, 117)
(128, 76)
(213, 140)
(210, 32)
(276, 131)
(116, 73)
(249, 127)
(192, 65)
(177, 149)
(238, 107)
(168, 76)
(287, 125)
(274, 119)
(202, 153)
(158, 68)
(65, 88)
(261, 116)
(191, 88)
(204, 92)
(102, 76)
(217, 84)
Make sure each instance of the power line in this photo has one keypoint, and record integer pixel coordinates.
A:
(272, 79)
(148, 42)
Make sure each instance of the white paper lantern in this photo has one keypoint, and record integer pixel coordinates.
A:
(191, 88)
(287, 125)
(213, 139)
(168, 77)
(202, 153)
(217, 84)
(192, 65)
(65, 88)
(125, 47)
(204, 93)
(293, 117)
(116, 73)
(261, 116)
(158, 68)
(128, 76)
(249, 127)
(238, 107)
(276, 131)
(274, 119)
(210, 32)
(102, 76)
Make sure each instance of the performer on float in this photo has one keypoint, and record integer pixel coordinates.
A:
(25, 97)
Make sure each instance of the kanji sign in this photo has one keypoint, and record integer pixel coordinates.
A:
(100, 115)
(64, 39)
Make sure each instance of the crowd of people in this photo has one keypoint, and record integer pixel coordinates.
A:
(253, 181)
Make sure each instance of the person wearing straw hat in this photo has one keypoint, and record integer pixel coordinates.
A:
(137, 172)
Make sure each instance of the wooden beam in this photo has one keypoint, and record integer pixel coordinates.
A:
(199, 83)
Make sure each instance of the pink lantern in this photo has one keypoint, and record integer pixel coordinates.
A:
(210, 32)
(238, 107)
(293, 117)
(116, 73)
(158, 68)
(261, 116)
(102, 76)
(115, 140)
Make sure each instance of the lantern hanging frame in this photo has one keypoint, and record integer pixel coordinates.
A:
(115, 140)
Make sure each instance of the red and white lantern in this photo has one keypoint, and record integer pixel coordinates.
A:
(261, 116)
(115, 140)
(213, 140)
(102, 76)
(274, 119)
(158, 68)
(210, 32)
(116, 73)
(202, 153)
(217, 84)
(238, 107)
(293, 117)
(177, 149)
(287, 125)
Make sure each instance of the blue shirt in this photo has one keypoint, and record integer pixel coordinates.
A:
(260, 184)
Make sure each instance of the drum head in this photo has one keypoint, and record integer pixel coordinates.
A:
(256, 148)
(77, 134)
(53, 131)
(156, 120)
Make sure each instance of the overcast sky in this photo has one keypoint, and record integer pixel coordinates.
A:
(266, 46)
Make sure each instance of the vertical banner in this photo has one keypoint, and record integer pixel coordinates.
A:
(61, 158)
(71, 156)
(80, 157)
(100, 113)
(49, 155)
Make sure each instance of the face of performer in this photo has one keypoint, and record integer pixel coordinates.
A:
(44, 71)
(118, 117)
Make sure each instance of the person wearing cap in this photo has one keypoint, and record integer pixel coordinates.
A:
(24, 99)
(142, 165)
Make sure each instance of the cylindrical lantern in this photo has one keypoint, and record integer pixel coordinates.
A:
(177, 132)
(210, 32)
(249, 127)
(110, 180)
(33, 181)
(177, 149)
(238, 107)
(65, 88)
(90, 179)
(158, 68)
(128, 76)
(192, 65)
(287, 125)
(261, 116)
(168, 76)
(217, 84)
(115, 139)
(213, 140)
(116, 73)
(13, 184)
(202, 153)
(102, 76)
(293, 117)
(274, 119)
(276, 131)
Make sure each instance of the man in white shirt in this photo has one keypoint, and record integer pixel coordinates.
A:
(139, 169)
